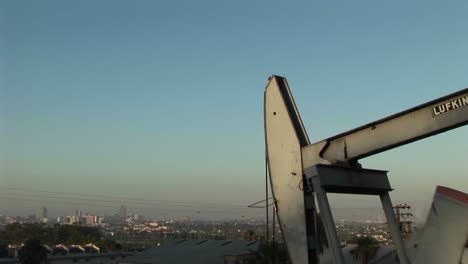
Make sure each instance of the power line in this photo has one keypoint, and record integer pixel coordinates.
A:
(108, 206)
(122, 198)
(117, 202)
(156, 205)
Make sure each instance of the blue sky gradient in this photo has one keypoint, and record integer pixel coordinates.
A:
(164, 99)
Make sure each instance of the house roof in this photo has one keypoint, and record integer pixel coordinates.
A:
(193, 251)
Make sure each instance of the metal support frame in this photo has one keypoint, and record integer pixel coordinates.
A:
(394, 227)
(328, 222)
(333, 179)
(311, 225)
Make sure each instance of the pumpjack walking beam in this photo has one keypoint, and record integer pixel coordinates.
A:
(290, 153)
(417, 123)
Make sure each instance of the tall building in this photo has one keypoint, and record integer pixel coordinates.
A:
(75, 220)
(42, 215)
(123, 211)
(89, 219)
(77, 213)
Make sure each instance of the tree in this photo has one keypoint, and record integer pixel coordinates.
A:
(32, 252)
(271, 253)
(18, 233)
(109, 245)
(77, 234)
(250, 235)
(366, 249)
(3, 251)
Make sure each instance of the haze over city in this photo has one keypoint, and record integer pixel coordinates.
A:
(159, 105)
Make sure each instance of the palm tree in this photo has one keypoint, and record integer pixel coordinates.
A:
(366, 249)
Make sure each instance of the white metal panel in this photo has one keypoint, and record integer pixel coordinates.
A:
(284, 159)
(446, 230)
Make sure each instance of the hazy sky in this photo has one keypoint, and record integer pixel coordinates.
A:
(163, 100)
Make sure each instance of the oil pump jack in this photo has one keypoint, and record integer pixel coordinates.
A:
(302, 173)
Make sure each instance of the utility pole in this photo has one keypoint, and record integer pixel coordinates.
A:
(406, 226)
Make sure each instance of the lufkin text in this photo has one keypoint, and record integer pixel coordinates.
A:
(450, 105)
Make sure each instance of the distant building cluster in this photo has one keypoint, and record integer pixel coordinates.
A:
(348, 231)
(76, 218)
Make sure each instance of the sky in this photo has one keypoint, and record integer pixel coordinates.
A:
(158, 104)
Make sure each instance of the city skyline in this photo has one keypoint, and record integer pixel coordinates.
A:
(163, 101)
(359, 214)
